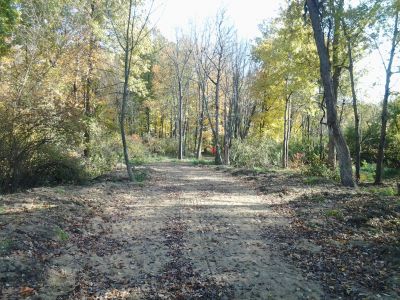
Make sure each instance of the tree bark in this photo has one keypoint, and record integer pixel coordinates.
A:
(337, 71)
(226, 134)
(218, 158)
(147, 111)
(355, 107)
(125, 95)
(382, 141)
(89, 80)
(346, 173)
(286, 132)
(180, 113)
(201, 122)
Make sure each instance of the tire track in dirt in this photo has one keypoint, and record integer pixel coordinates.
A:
(178, 280)
(218, 221)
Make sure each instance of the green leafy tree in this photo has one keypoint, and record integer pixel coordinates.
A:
(8, 20)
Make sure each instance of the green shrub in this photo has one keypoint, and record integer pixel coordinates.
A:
(38, 148)
(301, 153)
(105, 151)
(56, 167)
(368, 172)
(163, 146)
(318, 168)
(47, 165)
(252, 153)
(138, 152)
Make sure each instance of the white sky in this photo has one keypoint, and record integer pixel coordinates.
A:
(246, 15)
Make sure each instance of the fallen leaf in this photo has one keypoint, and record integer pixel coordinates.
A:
(26, 291)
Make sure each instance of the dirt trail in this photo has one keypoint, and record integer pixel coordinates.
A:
(189, 233)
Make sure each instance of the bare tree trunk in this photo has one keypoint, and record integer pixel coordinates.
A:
(89, 79)
(346, 172)
(125, 94)
(147, 111)
(337, 70)
(185, 135)
(198, 109)
(180, 128)
(355, 107)
(246, 128)
(122, 126)
(171, 125)
(180, 57)
(200, 142)
(382, 141)
(161, 132)
(218, 158)
(286, 134)
(226, 134)
(201, 123)
(321, 146)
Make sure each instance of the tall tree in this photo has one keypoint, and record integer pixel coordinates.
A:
(389, 73)
(129, 34)
(336, 10)
(218, 59)
(8, 19)
(354, 23)
(180, 55)
(355, 105)
(288, 64)
(345, 165)
(235, 76)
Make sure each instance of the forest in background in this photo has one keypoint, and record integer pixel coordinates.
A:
(88, 84)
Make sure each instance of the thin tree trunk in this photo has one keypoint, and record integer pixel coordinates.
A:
(286, 133)
(200, 142)
(218, 158)
(382, 141)
(355, 107)
(171, 125)
(286, 128)
(161, 131)
(89, 79)
(125, 95)
(247, 125)
(289, 129)
(180, 108)
(346, 172)
(321, 146)
(185, 135)
(201, 124)
(196, 129)
(337, 70)
(147, 120)
(308, 130)
(226, 134)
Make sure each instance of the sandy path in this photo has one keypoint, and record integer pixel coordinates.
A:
(190, 233)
